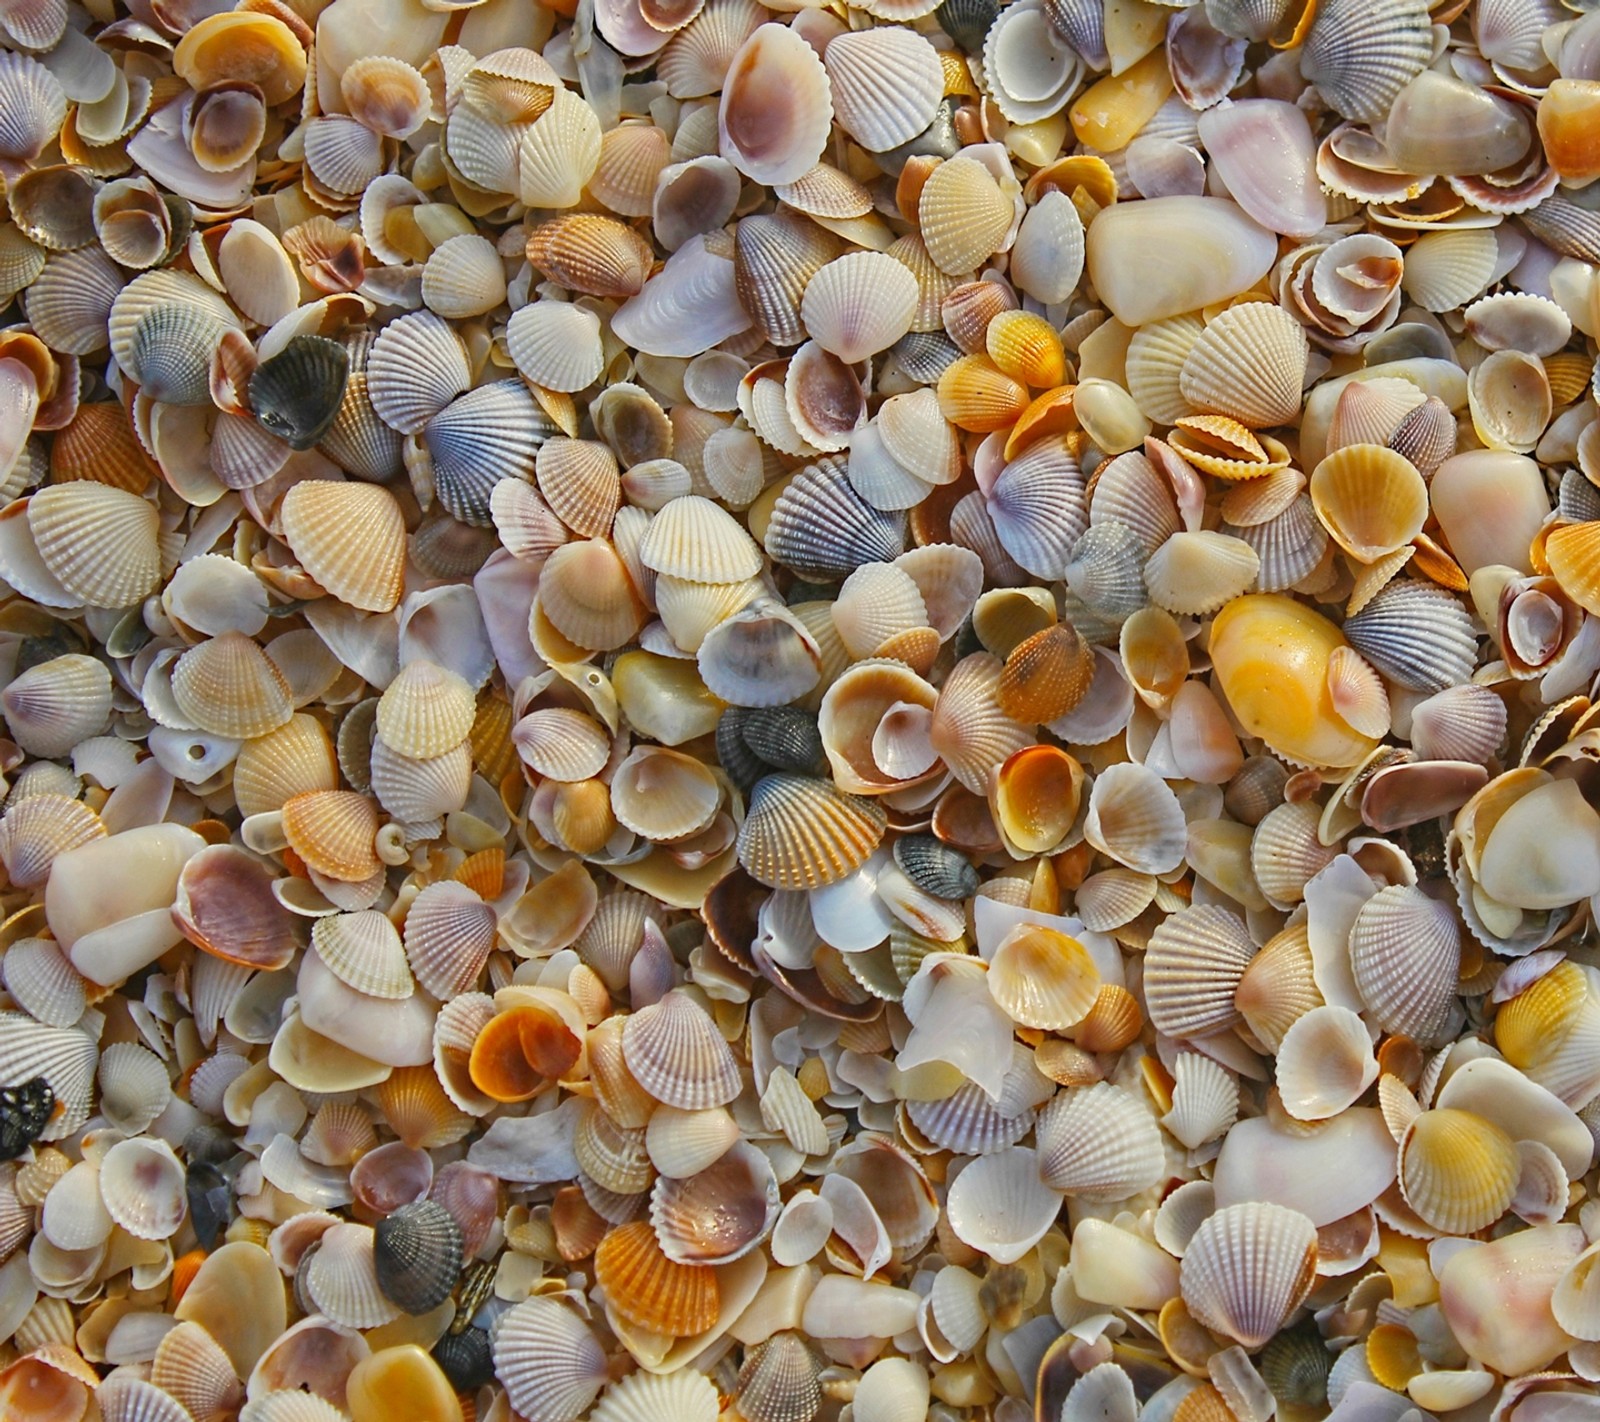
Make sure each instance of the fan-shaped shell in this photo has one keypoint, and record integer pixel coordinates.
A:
(1247, 1268)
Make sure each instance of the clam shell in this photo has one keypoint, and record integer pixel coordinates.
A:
(364, 950)
(548, 1359)
(1047, 257)
(776, 110)
(416, 367)
(761, 655)
(673, 1050)
(860, 304)
(142, 1186)
(332, 831)
(43, 983)
(774, 259)
(801, 833)
(449, 932)
(641, 1396)
(886, 84)
(588, 253)
(1038, 508)
(1247, 1268)
(1447, 269)
(1405, 953)
(1286, 853)
(1193, 966)
(558, 153)
(718, 1214)
(1360, 54)
(295, 758)
(1415, 634)
(779, 1381)
(1099, 1142)
(1196, 572)
(229, 686)
(556, 344)
(417, 1254)
(1004, 1208)
(1205, 1101)
(134, 1088)
(97, 542)
(425, 711)
(963, 215)
(969, 730)
(697, 58)
(693, 538)
(1325, 1063)
(821, 528)
(1136, 820)
(1157, 356)
(1466, 723)
(1372, 500)
(1043, 978)
(586, 594)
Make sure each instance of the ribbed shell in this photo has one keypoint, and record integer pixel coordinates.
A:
(1249, 362)
(1247, 1268)
(449, 932)
(350, 538)
(650, 1290)
(673, 1050)
(886, 84)
(38, 828)
(1417, 634)
(417, 1254)
(230, 687)
(489, 434)
(822, 529)
(98, 542)
(1405, 953)
(1192, 968)
(416, 367)
(969, 730)
(1038, 507)
(548, 1359)
(364, 951)
(1099, 1142)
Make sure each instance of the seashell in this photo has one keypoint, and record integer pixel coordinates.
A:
(449, 932)
(1193, 966)
(134, 1089)
(1250, 363)
(963, 215)
(1370, 499)
(333, 831)
(548, 1359)
(693, 538)
(1196, 572)
(775, 258)
(760, 656)
(1047, 257)
(1457, 1171)
(1407, 989)
(1038, 508)
(417, 366)
(228, 685)
(350, 538)
(586, 594)
(718, 1214)
(1263, 149)
(662, 794)
(776, 108)
(1325, 1063)
(1100, 1143)
(97, 542)
(416, 1254)
(801, 833)
(588, 253)
(684, 1394)
(557, 154)
(1465, 723)
(1043, 978)
(556, 345)
(1509, 397)
(886, 84)
(142, 1187)
(1436, 649)
(1296, 718)
(1360, 55)
(858, 305)
(696, 59)
(364, 950)
(1004, 1208)
(821, 528)
(1247, 1268)
(1135, 819)
(1105, 570)
(969, 730)
(1219, 252)
(650, 1290)
(779, 1381)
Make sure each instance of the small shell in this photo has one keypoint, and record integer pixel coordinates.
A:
(718, 1214)
(36, 829)
(1325, 1062)
(696, 539)
(54, 705)
(1249, 362)
(1099, 1142)
(142, 1185)
(1416, 634)
(886, 84)
(1447, 269)
(963, 215)
(134, 1088)
(229, 686)
(449, 932)
(425, 711)
(364, 950)
(1247, 1268)
(416, 367)
(1465, 723)
(969, 730)
(663, 794)
(1043, 978)
(548, 1359)
(588, 597)
(556, 345)
(1192, 969)
(1003, 1208)
(588, 253)
(802, 833)
(776, 109)
(1196, 572)
(99, 543)
(1136, 820)
(674, 1051)
(333, 831)
(1405, 953)
(858, 305)
(1457, 1170)
(417, 1254)
(350, 538)
(650, 1290)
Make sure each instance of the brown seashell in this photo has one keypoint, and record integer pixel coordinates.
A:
(521, 1050)
(226, 906)
(1045, 675)
(350, 539)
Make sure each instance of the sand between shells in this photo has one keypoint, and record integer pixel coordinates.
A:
(808, 713)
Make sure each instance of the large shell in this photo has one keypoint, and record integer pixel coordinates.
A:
(1100, 1142)
(549, 1360)
(776, 108)
(1247, 1268)
(1193, 967)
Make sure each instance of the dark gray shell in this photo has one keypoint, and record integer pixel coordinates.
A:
(824, 530)
(24, 1113)
(296, 393)
(934, 867)
(925, 355)
(418, 1252)
(967, 21)
(785, 737)
(743, 765)
(466, 1358)
(1295, 1366)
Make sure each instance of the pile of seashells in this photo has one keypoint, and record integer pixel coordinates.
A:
(805, 713)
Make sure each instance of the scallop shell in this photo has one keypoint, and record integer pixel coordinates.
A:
(1038, 507)
(589, 253)
(43, 983)
(779, 1381)
(416, 367)
(650, 1290)
(1193, 966)
(696, 539)
(449, 932)
(1457, 1170)
(1136, 820)
(1405, 953)
(1196, 572)
(1249, 362)
(332, 831)
(1360, 54)
(802, 833)
(99, 543)
(36, 829)
(350, 538)
(775, 257)
(718, 1214)
(556, 344)
(229, 686)
(548, 1359)
(364, 950)
(588, 597)
(821, 528)
(1157, 355)
(969, 730)
(1416, 634)
(1247, 1268)
(1205, 1101)
(963, 216)
(1445, 270)
(1466, 723)
(296, 393)
(1372, 500)
(1286, 853)
(1099, 1142)
(1288, 546)
(134, 1088)
(860, 304)
(886, 83)
(673, 1050)
(417, 1254)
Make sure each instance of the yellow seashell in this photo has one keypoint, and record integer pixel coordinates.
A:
(1271, 658)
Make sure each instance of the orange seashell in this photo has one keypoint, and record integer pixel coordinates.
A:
(1045, 675)
(578, 1228)
(1026, 347)
(184, 1268)
(333, 831)
(484, 872)
(519, 1051)
(99, 444)
(649, 1290)
(1051, 413)
(976, 395)
(416, 1107)
(1036, 798)
(1113, 1023)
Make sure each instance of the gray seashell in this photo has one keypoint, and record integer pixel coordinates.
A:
(924, 355)
(972, 1122)
(784, 737)
(1106, 570)
(1289, 546)
(734, 755)
(971, 527)
(1409, 340)
(938, 140)
(417, 1252)
(932, 865)
(296, 394)
(1038, 507)
(967, 21)
(69, 303)
(1362, 53)
(1426, 436)
(1082, 24)
(1416, 634)
(1579, 500)
(466, 1359)
(824, 530)
(171, 354)
(489, 434)
(779, 1381)
(1295, 1367)
(1565, 227)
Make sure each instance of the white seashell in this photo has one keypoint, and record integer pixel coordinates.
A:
(1000, 1206)
(859, 304)
(1136, 819)
(1205, 1101)
(1325, 1063)
(886, 83)
(556, 345)
(548, 1359)
(690, 305)
(776, 108)
(1247, 1268)
(1099, 1142)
